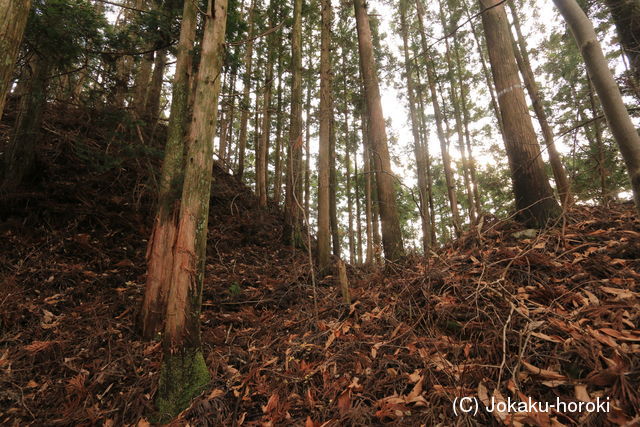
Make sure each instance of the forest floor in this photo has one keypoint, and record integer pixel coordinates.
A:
(496, 314)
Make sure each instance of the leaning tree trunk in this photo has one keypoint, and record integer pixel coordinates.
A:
(13, 20)
(183, 372)
(626, 16)
(620, 124)
(391, 233)
(324, 151)
(160, 247)
(522, 58)
(535, 202)
(21, 151)
(293, 209)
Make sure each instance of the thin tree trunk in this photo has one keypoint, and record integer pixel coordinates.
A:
(458, 120)
(626, 16)
(307, 133)
(485, 70)
(152, 107)
(418, 149)
(391, 232)
(141, 83)
(444, 149)
(620, 124)
(161, 243)
(333, 186)
(324, 152)
(347, 168)
(535, 202)
(13, 20)
(466, 120)
(424, 141)
(246, 82)
(277, 181)
(183, 372)
(21, 151)
(522, 58)
(293, 195)
(231, 120)
(597, 136)
(263, 154)
(366, 157)
(358, 208)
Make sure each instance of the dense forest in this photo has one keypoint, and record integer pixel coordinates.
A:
(260, 212)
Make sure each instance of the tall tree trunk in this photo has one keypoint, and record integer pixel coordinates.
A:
(333, 186)
(465, 121)
(183, 372)
(455, 101)
(277, 179)
(620, 124)
(246, 83)
(424, 142)
(605, 197)
(307, 133)
(152, 106)
(293, 194)
(358, 208)
(444, 146)
(535, 202)
(141, 83)
(232, 115)
(626, 16)
(485, 70)
(161, 243)
(13, 20)
(324, 151)
(366, 157)
(391, 233)
(20, 157)
(522, 58)
(223, 114)
(418, 149)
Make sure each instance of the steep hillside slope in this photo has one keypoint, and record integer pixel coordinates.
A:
(500, 313)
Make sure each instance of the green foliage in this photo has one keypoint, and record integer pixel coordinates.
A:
(235, 290)
(63, 30)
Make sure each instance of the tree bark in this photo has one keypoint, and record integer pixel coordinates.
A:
(324, 151)
(455, 101)
(21, 151)
(485, 70)
(626, 16)
(294, 178)
(535, 202)
(418, 149)
(522, 58)
(465, 121)
(368, 212)
(358, 208)
(152, 103)
(183, 371)
(246, 82)
(444, 146)
(13, 20)
(161, 243)
(277, 179)
(391, 233)
(620, 124)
